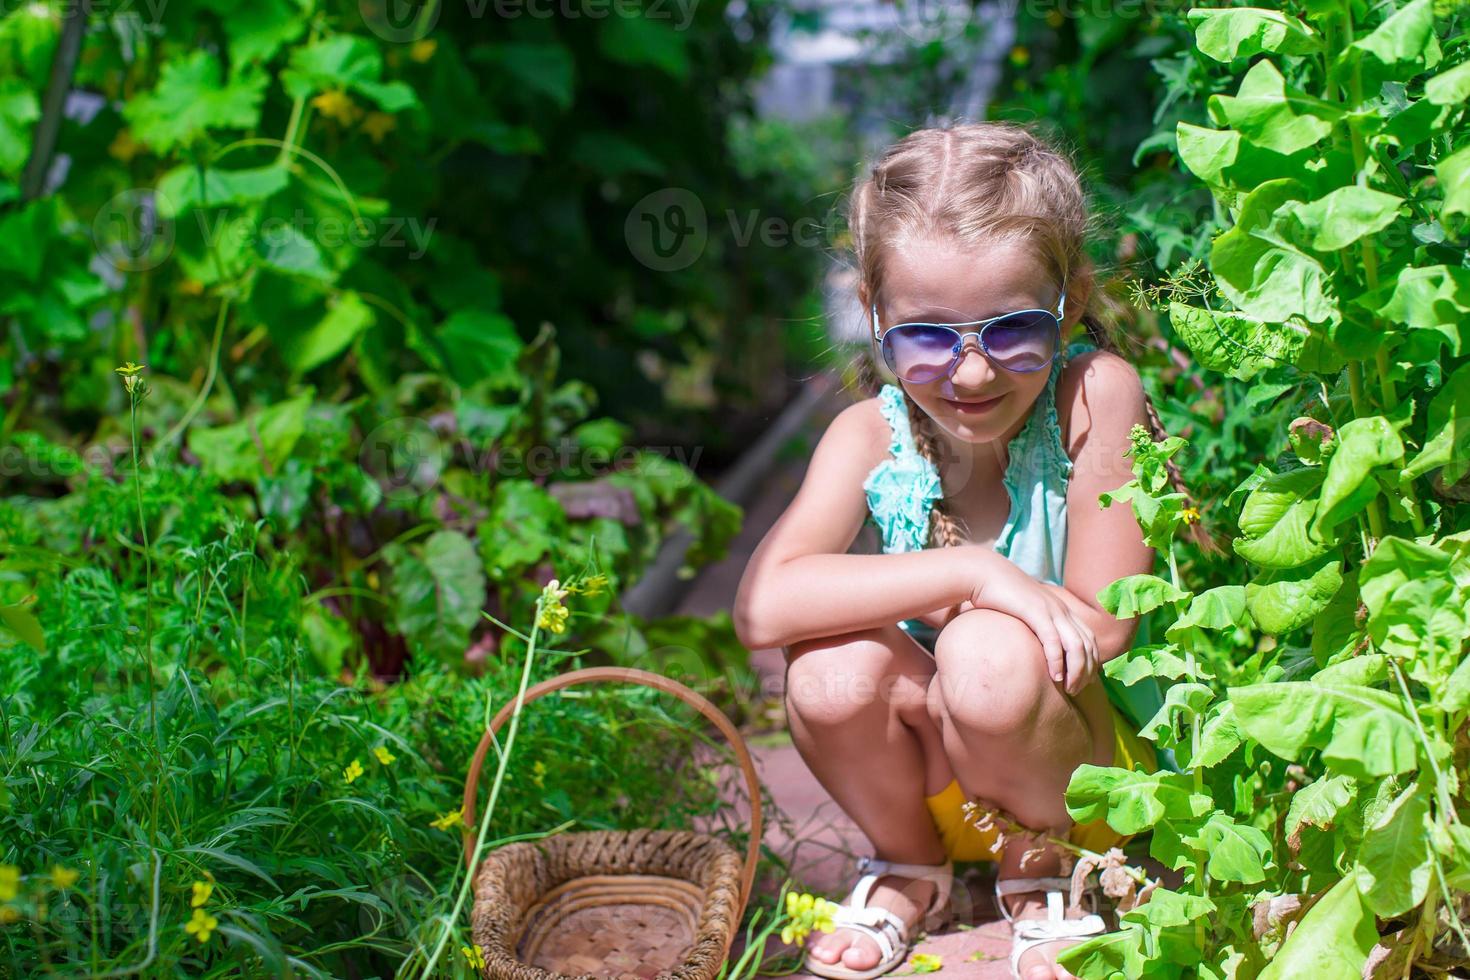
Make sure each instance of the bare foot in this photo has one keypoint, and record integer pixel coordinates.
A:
(857, 950)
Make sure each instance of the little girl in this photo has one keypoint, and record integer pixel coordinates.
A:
(963, 661)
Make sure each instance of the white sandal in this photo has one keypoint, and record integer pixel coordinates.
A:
(1027, 934)
(881, 925)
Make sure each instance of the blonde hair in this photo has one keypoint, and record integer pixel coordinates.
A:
(979, 183)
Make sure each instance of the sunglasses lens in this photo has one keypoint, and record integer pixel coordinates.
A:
(919, 352)
(1025, 341)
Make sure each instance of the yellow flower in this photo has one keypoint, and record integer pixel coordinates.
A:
(9, 914)
(384, 756)
(337, 105)
(475, 955)
(538, 772)
(202, 891)
(378, 124)
(201, 925)
(1190, 515)
(451, 819)
(129, 372)
(191, 287)
(553, 615)
(9, 882)
(63, 877)
(353, 770)
(594, 585)
(806, 912)
(423, 49)
(1020, 55)
(926, 962)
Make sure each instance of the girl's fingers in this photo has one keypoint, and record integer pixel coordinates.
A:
(1051, 645)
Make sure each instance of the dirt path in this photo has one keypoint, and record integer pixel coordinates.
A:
(820, 843)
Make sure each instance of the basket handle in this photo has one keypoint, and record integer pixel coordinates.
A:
(648, 679)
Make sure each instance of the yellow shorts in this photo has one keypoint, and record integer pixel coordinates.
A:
(964, 842)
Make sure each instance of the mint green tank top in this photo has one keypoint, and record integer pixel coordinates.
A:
(902, 488)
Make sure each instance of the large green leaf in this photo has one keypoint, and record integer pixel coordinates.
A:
(1394, 862)
(1134, 595)
(1430, 298)
(1447, 430)
(437, 592)
(1449, 87)
(1153, 660)
(347, 316)
(546, 68)
(1453, 173)
(1397, 49)
(1361, 731)
(184, 187)
(1269, 114)
(1280, 600)
(1237, 852)
(1220, 608)
(1262, 272)
(1394, 562)
(1317, 804)
(345, 61)
(1131, 801)
(525, 522)
(191, 98)
(1238, 32)
(645, 40)
(1234, 344)
(1332, 941)
(257, 444)
(1344, 216)
(1275, 521)
(19, 110)
(1363, 445)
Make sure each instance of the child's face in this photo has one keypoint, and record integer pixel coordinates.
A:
(935, 281)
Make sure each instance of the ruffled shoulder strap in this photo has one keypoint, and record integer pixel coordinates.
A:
(902, 488)
(891, 404)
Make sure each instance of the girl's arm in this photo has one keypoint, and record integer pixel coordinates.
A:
(801, 583)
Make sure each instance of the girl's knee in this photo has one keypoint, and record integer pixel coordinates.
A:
(834, 680)
(991, 677)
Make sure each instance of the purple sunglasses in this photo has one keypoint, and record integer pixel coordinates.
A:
(1023, 341)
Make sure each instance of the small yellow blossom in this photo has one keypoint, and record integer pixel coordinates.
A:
(926, 962)
(451, 819)
(1020, 55)
(423, 49)
(9, 914)
(63, 878)
(191, 287)
(9, 882)
(337, 105)
(1190, 515)
(130, 372)
(202, 891)
(592, 585)
(806, 912)
(378, 124)
(553, 615)
(384, 756)
(475, 955)
(538, 773)
(201, 925)
(353, 770)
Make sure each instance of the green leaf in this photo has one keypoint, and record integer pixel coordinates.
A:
(1132, 802)
(1237, 852)
(1238, 32)
(257, 444)
(437, 594)
(478, 346)
(345, 61)
(1344, 216)
(1134, 595)
(184, 187)
(1447, 431)
(1360, 731)
(1331, 942)
(1318, 804)
(1166, 909)
(548, 69)
(1453, 174)
(1364, 670)
(1220, 608)
(643, 40)
(1234, 344)
(1394, 861)
(1275, 521)
(1395, 562)
(1182, 703)
(1449, 87)
(190, 99)
(285, 248)
(1218, 737)
(1153, 660)
(525, 522)
(347, 316)
(1113, 954)
(1272, 116)
(1432, 298)
(1263, 273)
(1363, 445)
(19, 109)
(1280, 600)
(20, 620)
(1398, 49)
(1457, 689)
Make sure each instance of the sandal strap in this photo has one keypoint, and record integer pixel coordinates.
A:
(881, 925)
(1054, 886)
(870, 869)
(1030, 933)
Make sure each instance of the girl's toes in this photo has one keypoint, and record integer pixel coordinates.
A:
(861, 955)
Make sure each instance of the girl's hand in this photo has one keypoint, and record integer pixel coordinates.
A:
(1069, 644)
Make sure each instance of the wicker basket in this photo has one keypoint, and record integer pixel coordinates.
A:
(624, 904)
